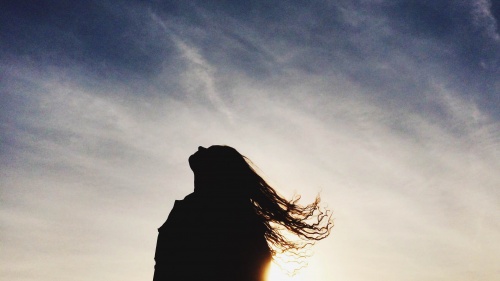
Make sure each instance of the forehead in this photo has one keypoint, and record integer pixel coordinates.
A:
(222, 150)
(218, 148)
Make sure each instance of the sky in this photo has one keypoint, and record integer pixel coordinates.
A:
(388, 109)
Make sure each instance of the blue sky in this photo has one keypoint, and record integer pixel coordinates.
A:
(389, 108)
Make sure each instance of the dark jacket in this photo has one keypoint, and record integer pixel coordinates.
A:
(211, 239)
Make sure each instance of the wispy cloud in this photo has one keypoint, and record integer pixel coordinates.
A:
(484, 19)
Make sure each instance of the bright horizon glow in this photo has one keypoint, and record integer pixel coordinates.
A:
(276, 273)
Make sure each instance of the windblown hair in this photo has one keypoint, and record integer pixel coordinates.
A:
(309, 223)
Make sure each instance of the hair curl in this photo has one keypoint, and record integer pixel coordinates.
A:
(309, 223)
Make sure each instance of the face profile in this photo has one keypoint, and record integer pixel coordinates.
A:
(199, 159)
(219, 168)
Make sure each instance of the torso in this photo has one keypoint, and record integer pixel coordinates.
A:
(204, 239)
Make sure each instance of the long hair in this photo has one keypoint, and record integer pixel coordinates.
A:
(280, 216)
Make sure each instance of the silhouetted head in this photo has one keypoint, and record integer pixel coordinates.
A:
(221, 172)
(220, 169)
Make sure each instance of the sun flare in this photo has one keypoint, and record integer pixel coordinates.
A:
(278, 273)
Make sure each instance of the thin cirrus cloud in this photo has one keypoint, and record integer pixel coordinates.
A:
(389, 109)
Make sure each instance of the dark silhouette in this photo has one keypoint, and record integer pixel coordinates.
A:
(222, 231)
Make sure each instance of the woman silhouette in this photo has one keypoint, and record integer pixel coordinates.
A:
(222, 230)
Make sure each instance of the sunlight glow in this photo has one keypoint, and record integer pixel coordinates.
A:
(277, 273)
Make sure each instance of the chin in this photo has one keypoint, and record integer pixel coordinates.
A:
(190, 161)
(193, 159)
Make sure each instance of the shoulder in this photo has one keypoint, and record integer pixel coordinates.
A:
(183, 203)
(177, 214)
